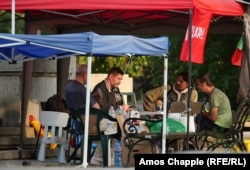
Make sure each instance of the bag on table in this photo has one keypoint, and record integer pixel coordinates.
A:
(173, 126)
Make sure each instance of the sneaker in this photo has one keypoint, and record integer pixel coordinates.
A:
(98, 161)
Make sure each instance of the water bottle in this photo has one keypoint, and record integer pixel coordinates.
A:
(112, 114)
(118, 154)
(125, 114)
(112, 111)
(118, 111)
(111, 126)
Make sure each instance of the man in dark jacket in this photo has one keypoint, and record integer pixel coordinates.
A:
(107, 93)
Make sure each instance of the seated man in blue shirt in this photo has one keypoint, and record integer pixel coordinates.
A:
(75, 92)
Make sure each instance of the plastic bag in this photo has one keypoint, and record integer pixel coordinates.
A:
(173, 126)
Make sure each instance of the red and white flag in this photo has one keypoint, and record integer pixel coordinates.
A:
(238, 53)
(200, 25)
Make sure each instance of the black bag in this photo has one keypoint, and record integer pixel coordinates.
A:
(56, 103)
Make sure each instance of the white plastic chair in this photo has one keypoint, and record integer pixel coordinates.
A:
(55, 121)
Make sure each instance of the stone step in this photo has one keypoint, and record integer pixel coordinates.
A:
(29, 132)
(13, 142)
(9, 148)
(14, 154)
(26, 154)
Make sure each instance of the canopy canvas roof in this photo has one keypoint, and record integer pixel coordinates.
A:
(138, 17)
(28, 47)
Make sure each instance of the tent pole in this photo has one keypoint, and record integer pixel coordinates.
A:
(62, 75)
(13, 18)
(164, 123)
(189, 70)
(86, 129)
(26, 83)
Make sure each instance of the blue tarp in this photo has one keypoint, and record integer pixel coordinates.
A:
(22, 47)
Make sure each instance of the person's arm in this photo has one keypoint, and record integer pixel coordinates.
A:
(151, 97)
(96, 106)
(212, 114)
(194, 96)
(102, 99)
(93, 102)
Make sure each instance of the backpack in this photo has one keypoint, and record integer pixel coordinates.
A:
(56, 103)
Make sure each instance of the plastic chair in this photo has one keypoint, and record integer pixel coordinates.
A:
(95, 133)
(55, 121)
(42, 107)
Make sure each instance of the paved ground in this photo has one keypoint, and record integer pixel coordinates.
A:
(47, 164)
(52, 164)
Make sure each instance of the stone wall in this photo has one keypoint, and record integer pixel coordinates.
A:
(43, 86)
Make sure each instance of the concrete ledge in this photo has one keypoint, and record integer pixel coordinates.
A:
(12, 143)
(14, 154)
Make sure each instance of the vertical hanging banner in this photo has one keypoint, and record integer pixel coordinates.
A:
(200, 25)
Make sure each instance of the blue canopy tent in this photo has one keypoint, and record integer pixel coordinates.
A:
(19, 48)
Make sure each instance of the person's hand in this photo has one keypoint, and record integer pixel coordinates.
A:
(205, 113)
(125, 107)
(159, 104)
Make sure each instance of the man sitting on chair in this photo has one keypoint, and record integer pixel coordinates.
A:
(178, 93)
(107, 93)
(75, 92)
(218, 115)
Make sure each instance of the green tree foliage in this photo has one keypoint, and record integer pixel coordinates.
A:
(218, 54)
(148, 72)
(5, 23)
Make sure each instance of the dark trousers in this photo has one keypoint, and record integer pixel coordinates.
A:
(203, 123)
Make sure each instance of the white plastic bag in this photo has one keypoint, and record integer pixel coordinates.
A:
(183, 120)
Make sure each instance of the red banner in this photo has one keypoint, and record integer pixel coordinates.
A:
(200, 25)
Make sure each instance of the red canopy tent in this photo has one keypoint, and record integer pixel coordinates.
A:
(219, 7)
(119, 17)
(133, 17)
(130, 16)
(58, 5)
